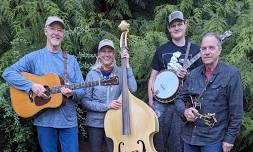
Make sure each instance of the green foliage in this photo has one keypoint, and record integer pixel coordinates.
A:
(16, 134)
(245, 139)
(89, 21)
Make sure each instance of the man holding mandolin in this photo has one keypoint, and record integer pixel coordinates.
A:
(168, 70)
(216, 92)
(54, 124)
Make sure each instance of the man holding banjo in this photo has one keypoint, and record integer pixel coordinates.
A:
(167, 72)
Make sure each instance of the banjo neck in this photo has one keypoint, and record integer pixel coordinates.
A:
(188, 63)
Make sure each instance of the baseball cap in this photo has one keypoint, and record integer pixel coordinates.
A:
(52, 19)
(175, 15)
(105, 42)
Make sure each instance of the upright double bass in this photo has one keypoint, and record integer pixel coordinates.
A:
(133, 126)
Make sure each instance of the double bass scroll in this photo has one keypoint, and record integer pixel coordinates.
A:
(132, 127)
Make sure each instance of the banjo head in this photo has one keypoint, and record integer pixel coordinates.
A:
(165, 85)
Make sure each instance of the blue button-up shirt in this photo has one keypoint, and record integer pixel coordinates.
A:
(222, 95)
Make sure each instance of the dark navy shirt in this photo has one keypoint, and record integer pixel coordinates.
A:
(223, 96)
(171, 54)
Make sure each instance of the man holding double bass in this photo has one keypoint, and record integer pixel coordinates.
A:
(170, 56)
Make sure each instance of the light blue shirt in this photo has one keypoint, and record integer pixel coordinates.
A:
(42, 62)
(97, 99)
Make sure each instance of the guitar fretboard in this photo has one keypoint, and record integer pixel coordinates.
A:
(57, 89)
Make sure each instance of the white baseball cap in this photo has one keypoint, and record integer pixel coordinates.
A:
(105, 42)
(52, 19)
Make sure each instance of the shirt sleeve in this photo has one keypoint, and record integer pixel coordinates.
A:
(155, 64)
(132, 84)
(235, 101)
(13, 75)
(79, 93)
(88, 102)
(179, 102)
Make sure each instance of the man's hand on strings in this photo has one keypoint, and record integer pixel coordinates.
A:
(190, 114)
(67, 92)
(38, 89)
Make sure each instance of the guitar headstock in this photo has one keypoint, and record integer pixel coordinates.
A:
(210, 119)
(111, 81)
(225, 35)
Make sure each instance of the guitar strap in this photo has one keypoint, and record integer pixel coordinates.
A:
(65, 57)
(187, 53)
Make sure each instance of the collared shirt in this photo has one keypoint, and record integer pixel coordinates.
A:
(222, 95)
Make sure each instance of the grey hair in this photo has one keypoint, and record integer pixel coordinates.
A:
(213, 34)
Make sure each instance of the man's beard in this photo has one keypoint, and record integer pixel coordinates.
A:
(55, 42)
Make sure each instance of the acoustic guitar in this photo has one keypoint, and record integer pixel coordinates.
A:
(28, 104)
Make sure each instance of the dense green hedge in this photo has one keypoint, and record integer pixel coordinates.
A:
(88, 21)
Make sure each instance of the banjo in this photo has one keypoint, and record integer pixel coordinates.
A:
(166, 84)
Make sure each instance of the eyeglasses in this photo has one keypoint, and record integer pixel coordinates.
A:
(55, 29)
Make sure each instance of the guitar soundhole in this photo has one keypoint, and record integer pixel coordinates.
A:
(40, 101)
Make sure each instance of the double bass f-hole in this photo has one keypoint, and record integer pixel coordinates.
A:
(138, 142)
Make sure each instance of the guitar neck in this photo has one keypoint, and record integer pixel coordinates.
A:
(188, 63)
(57, 89)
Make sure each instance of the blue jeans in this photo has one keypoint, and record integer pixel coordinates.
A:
(48, 139)
(217, 147)
(170, 128)
(97, 138)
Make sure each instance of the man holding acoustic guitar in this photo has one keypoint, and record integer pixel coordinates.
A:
(215, 89)
(168, 70)
(60, 122)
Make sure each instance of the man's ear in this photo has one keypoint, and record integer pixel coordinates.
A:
(45, 30)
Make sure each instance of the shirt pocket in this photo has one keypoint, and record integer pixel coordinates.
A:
(218, 94)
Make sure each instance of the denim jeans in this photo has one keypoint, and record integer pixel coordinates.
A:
(49, 137)
(217, 147)
(170, 128)
(97, 138)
